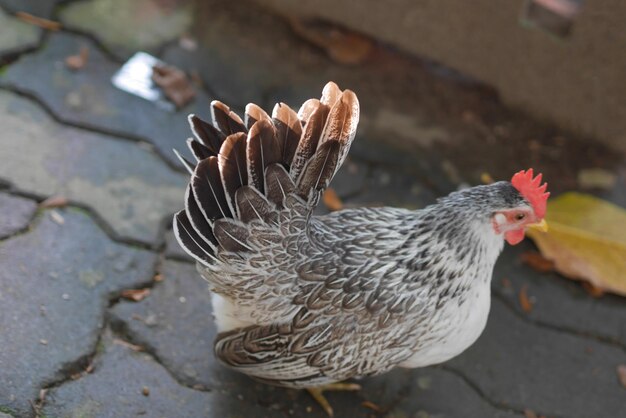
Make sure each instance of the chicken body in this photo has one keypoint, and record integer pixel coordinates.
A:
(302, 301)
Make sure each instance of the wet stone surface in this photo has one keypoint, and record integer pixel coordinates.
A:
(519, 365)
(127, 185)
(55, 285)
(87, 97)
(387, 187)
(15, 212)
(557, 301)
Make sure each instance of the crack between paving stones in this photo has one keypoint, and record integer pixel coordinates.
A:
(601, 339)
(476, 388)
(92, 214)
(76, 369)
(121, 331)
(115, 135)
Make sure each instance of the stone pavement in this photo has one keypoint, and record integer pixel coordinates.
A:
(71, 346)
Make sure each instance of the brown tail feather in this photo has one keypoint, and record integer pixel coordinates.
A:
(233, 166)
(320, 169)
(261, 152)
(225, 119)
(309, 140)
(245, 177)
(208, 191)
(254, 114)
(207, 134)
(288, 131)
(198, 150)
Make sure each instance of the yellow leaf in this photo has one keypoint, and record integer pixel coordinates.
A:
(586, 240)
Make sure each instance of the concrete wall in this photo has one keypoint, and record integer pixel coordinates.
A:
(578, 81)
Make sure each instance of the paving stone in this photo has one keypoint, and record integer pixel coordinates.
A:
(35, 7)
(88, 98)
(16, 213)
(125, 27)
(178, 309)
(116, 389)
(558, 301)
(55, 284)
(16, 35)
(385, 187)
(127, 185)
(523, 366)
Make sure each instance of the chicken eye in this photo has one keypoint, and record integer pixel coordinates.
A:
(520, 216)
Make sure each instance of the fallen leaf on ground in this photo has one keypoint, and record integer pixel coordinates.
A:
(331, 200)
(126, 344)
(621, 374)
(175, 84)
(372, 406)
(524, 301)
(135, 295)
(586, 240)
(529, 413)
(54, 202)
(158, 277)
(342, 45)
(537, 261)
(78, 61)
(38, 21)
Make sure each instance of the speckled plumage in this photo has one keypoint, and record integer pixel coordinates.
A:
(302, 300)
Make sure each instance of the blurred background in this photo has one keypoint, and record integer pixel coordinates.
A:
(102, 314)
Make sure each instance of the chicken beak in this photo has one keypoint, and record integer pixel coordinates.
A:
(539, 226)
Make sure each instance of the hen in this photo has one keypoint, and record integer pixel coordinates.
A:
(304, 301)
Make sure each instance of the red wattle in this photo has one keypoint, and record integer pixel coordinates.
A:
(514, 237)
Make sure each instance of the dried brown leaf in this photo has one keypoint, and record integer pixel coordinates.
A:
(158, 277)
(621, 374)
(332, 200)
(175, 84)
(372, 406)
(135, 295)
(127, 344)
(78, 61)
(342, 45)
(54, 202)
(529, 413)
(524, 301)
(38, 21)
(538, 262)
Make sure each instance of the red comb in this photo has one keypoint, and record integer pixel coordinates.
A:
(531, 190)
